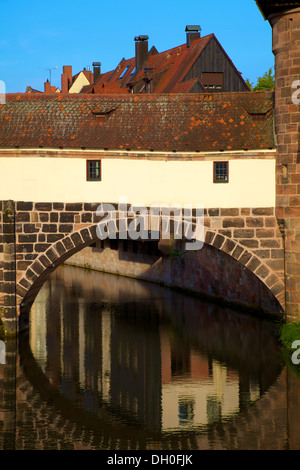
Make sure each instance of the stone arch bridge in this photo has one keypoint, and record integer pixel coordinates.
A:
(242, 260)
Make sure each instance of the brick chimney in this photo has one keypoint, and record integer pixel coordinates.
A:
(141, 51)
(66, 78)
(192, 32)
(47, 87)
(97, 71)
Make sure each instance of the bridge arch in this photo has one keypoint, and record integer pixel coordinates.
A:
(38, 271)
(250, 261)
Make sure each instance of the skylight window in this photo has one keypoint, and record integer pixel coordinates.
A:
(124, 71)
(133, 72)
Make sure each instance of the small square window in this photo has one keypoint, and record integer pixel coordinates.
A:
(221, 172)
(93, 170)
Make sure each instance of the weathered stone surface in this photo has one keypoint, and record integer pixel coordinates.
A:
(286, 48)
(237, 232)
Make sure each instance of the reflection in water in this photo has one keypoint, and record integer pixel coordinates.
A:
(148, 358)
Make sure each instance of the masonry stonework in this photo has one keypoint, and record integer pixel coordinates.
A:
(8, 266)
(47, 234)
(286, 48)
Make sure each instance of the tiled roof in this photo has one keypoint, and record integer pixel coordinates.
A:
(166, 70)
(184, 122)
(114, 76)
(175, 62)
(188, 85)
(110, 88)
(29, 89)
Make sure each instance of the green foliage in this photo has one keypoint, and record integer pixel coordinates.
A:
(290, 332)
(266, 82)
(250, 84)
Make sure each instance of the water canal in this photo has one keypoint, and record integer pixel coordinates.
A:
(116, 363)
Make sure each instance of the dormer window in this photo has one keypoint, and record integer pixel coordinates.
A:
(212, 81)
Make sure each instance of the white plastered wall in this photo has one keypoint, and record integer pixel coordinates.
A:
(251, 181)
(80, 82)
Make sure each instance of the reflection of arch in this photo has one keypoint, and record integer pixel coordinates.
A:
(102, 426)
(104, 432)
(60, 251)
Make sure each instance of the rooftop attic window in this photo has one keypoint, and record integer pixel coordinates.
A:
(124, 71)
(133, 72)
(212, 81)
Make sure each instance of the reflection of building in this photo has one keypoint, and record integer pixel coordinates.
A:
(135, 366)
(196, 390)
(100, 347)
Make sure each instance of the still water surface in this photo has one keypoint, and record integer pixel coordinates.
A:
(115, 363)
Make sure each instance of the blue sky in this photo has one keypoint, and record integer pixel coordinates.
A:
(40, 35)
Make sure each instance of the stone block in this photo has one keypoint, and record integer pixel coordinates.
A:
(230, 212)
(49, 228)
(65, 228)
(262, 271)
(24, 206)
(233, 222)
(243, 233)
(254, 222)
(22, 217)
(74, 207)
(264, 233)
(263, 211)
(43, 206)
(66, 217)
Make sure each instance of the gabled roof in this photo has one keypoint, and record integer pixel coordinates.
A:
(166, 70)
(175, 63)
(86, 73)
(29, 89)
(188, 86)
(184, 122)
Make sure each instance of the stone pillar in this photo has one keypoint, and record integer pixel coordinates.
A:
(286, 48)
(8, 285)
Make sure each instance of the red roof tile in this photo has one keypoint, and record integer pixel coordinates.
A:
(186, 122)
(187, 86)
(166, 70)
(184, 59)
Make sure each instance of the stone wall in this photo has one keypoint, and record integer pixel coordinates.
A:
(47, 234)
(208, 272)
(286, 48)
